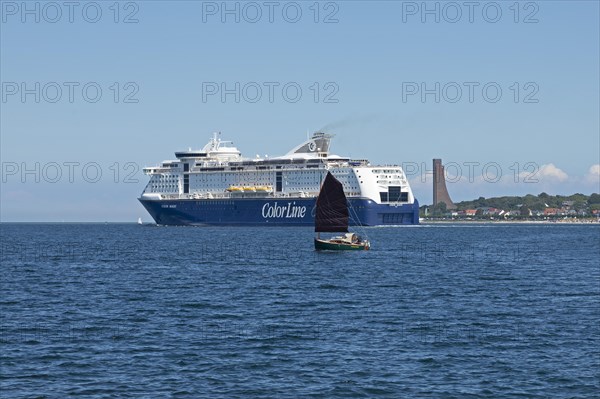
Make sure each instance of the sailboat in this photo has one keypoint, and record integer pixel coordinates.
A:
(332, 217)
(140, 221)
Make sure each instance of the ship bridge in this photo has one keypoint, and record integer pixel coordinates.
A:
(215, 150)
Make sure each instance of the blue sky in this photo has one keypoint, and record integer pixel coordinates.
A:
(369, 57)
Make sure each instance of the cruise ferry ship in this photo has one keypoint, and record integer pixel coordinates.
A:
(217, 186)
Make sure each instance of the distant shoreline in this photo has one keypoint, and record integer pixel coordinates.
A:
(421, 223)
(559, 221)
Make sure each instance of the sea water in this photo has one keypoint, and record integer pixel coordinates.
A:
(431, 311)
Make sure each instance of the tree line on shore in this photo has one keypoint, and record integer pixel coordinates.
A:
(526, 206)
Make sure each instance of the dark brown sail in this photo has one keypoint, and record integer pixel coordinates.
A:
(332, 207)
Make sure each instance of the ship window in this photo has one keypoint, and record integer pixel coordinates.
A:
(394, 193)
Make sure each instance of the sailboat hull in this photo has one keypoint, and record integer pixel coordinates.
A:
(328, 245)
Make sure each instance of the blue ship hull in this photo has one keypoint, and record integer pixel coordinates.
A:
(272, 212)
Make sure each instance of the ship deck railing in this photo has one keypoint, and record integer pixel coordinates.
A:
(237, 195)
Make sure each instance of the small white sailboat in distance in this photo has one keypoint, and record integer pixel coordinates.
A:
(140, 221)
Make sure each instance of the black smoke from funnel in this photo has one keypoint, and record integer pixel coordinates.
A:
(351, 121)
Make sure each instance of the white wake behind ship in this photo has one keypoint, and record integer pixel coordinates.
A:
(217, 186)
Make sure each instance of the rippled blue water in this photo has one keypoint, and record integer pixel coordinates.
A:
(445, 311)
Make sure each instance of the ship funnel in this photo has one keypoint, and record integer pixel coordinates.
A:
(318, 143)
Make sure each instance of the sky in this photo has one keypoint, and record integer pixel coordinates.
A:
(506, 93)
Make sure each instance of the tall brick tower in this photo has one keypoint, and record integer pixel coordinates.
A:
(440, 192)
